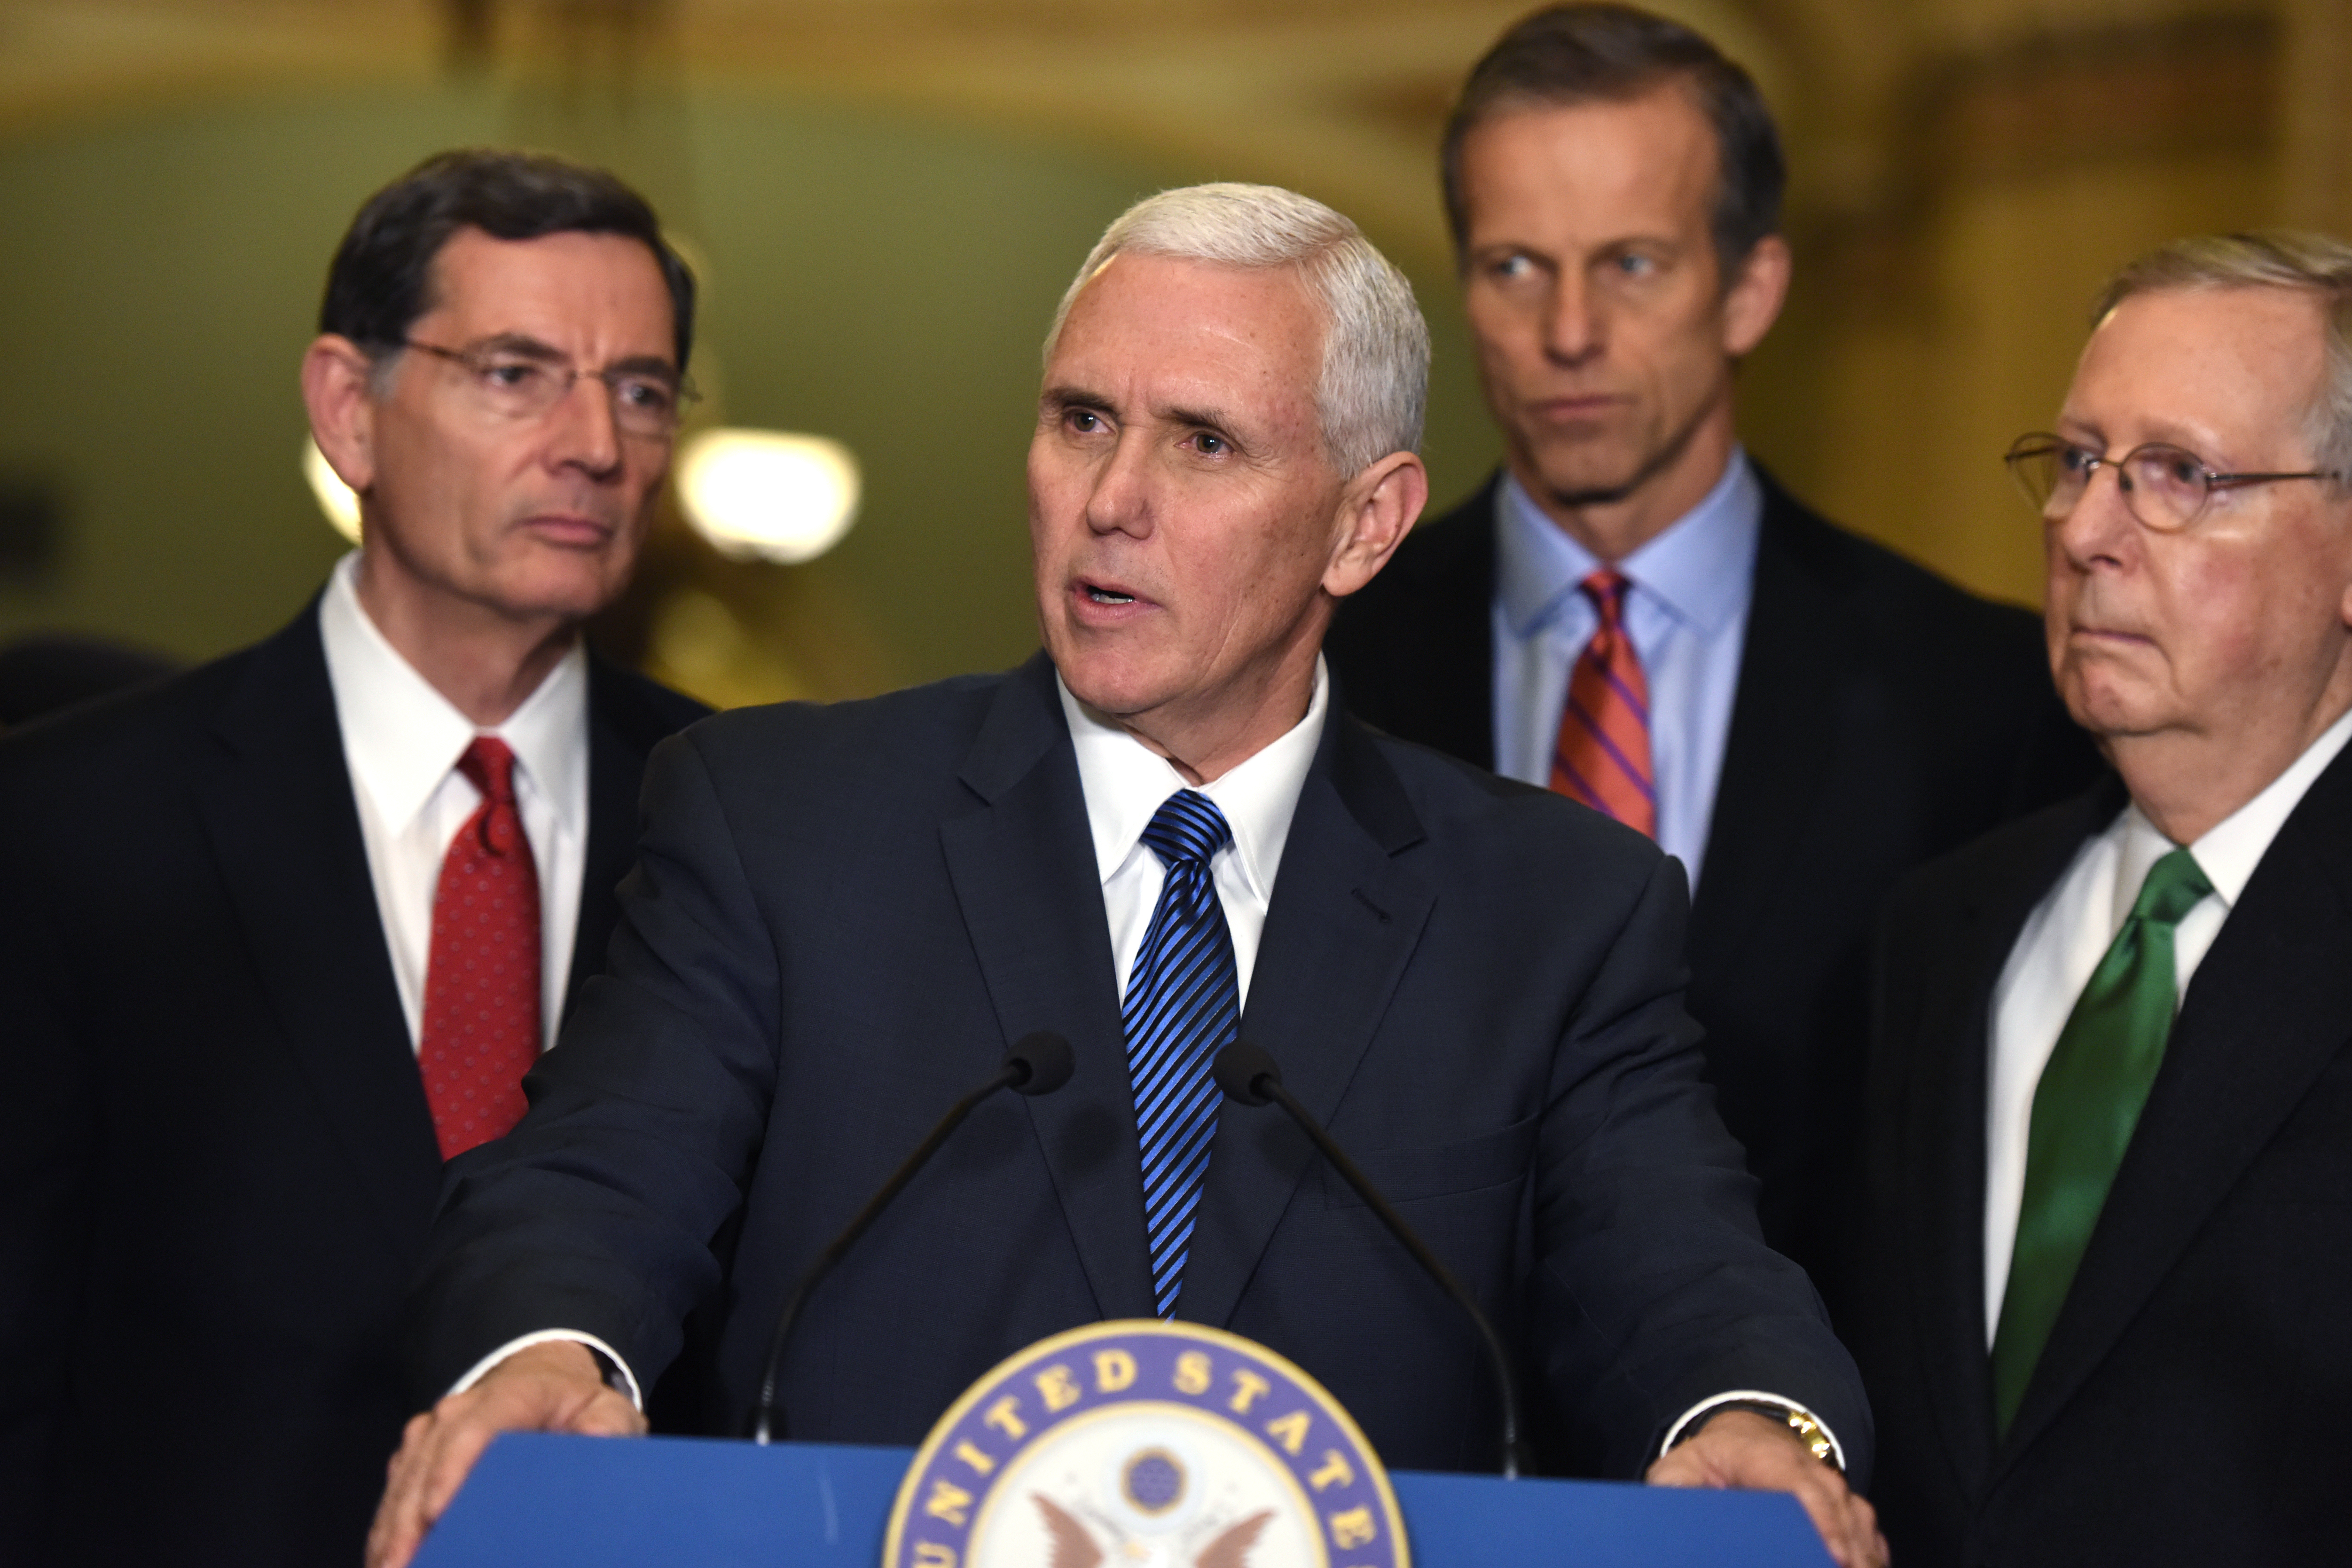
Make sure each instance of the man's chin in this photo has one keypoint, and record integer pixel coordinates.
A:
(568, 590)
(1590, 478)
(1115, 688)
(2112, 709)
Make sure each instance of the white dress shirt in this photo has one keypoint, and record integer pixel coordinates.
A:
(402, 741)
(1124, 782)
(2063, 939)
(1686, 613)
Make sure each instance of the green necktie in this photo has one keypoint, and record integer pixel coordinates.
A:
(2084, 1108)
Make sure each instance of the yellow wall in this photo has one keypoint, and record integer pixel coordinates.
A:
(876, 278)
(886, 223)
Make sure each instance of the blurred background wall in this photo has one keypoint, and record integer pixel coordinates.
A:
(886, 198)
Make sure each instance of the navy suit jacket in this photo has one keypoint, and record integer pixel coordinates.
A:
(216, 1165)
(839, 918)
(2190, 1405)
(1883, 716)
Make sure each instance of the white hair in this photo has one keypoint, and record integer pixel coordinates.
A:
(2312, 264)
(1374, 387)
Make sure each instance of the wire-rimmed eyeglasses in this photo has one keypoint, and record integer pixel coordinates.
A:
(2164, 486)
(523, 382)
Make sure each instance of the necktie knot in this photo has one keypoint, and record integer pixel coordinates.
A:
(489, 767)
(1188, 826)
(1607, 589)
(2175, 886)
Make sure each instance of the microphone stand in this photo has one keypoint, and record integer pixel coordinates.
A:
(1248, 1075)
(1037, 1064)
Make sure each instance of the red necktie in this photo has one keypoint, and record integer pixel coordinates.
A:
(481, 980)
(1603, 756)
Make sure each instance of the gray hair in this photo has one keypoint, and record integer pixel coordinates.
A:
(2275, 259)
(1374, 387)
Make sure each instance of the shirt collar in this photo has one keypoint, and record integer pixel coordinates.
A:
(1697, 568)
(1126, 782)
(2234, 847)
(403, 737)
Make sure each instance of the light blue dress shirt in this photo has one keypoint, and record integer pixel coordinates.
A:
(1687, 613)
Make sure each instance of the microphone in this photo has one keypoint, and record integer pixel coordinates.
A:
(1249, 1076)
(1037, 1064)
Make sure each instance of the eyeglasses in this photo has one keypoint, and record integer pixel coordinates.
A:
(2164, 486)
(516, 382)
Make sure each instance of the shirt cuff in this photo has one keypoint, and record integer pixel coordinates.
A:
(1698, 1412)
(617, 1371)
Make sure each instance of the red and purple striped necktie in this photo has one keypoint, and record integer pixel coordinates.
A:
(1603, 755)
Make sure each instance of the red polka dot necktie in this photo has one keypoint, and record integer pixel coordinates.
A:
(481, 980)
(1603, 755)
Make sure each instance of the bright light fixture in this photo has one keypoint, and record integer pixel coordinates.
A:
(768, 495)
(335, 497)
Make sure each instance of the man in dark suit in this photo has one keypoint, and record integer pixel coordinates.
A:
(2111, 1140)
(278, 935)
(1155, 835)
(1636, 614)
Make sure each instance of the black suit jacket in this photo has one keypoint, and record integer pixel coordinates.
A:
(216, 1166)
(839, 918)
(1883, 716)
(2190, 1405)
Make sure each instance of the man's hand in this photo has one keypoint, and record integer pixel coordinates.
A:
(1742, 1448)
(555, 1387)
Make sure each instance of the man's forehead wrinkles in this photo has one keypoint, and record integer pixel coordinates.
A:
(2133, 424)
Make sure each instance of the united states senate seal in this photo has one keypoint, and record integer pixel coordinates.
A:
(1143, 1444)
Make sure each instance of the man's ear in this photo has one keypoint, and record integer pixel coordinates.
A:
(1758, 291)
(337, 389)
(1379, 508)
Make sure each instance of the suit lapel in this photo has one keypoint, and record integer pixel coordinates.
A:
(1783, 731)
(2270, 1006)
(1024, 869)
(278, 805)
(1344, 920)
(1944, 1130)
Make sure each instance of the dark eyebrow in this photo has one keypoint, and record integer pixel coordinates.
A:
(1208, 417)
(1211, 420)
(520, 344)
(1073, 397)
(644, 364)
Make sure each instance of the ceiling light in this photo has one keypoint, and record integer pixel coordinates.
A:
(768, 495)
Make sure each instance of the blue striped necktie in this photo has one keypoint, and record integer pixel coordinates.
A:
(1183, 1005)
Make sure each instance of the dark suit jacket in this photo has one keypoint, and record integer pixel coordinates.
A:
(1883, 716)
(839, 918)
(217, 1167)
(2190, 1405)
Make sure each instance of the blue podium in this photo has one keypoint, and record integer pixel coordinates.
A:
(601, 1502)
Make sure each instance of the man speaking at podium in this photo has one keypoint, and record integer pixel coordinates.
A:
(1160, 834)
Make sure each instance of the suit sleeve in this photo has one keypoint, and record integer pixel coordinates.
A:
(1653, 1279)
(46, 1160)
(599, 1213)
